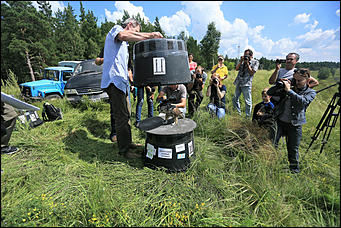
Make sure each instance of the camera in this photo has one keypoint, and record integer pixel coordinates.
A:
(280, 84)
(279, 61)
(247, 57)
(216, 81)
(198, 75)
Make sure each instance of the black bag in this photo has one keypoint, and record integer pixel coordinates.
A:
(51, 113)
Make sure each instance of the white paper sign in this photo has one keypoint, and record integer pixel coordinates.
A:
(165, 153)
(159, 65)
(190, 148)
(180, 147)
(181, 156)
(151, 151)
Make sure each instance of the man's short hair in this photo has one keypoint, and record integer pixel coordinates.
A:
(297, 56)
(131, 20)
(250, 51)
(264, 91)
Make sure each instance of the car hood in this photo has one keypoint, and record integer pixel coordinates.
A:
(43, 82)
(91, 80)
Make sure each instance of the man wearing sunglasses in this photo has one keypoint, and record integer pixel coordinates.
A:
(288, 72)
(295, 97)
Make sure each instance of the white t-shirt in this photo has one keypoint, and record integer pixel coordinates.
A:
(284, 73)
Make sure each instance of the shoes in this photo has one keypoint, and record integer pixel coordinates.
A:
(135, 145)
(9, 150)
(130, 154)
(113, 138)
(137, 124)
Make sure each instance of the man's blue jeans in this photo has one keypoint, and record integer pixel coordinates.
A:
(213, 109)
(293, 135)
(246, 90)
(140, 96)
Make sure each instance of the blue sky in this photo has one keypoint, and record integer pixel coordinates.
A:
(270, 28)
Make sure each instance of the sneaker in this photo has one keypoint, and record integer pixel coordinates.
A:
(9, 150)
(130, 154)
(113, 138)
(135, 145)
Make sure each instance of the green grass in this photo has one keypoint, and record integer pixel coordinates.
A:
(68, 173)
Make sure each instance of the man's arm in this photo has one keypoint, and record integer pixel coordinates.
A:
(127, 35)
(182, 103)
(273, 78)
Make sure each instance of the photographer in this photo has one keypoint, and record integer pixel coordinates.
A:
(195, 95)
(287, 72)
(220, 70)
(247, 68)
(178, 92)
(295, 96)
(216, 92)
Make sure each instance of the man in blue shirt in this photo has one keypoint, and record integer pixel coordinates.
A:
(295, 97)
(115, 79)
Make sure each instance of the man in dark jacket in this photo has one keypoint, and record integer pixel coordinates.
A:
(290, 112)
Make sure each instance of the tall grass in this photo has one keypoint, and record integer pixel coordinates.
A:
(68, 173)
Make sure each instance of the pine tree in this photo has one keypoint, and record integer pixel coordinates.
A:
(209, 45)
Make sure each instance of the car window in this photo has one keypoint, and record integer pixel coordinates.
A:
(51, 75)
(87, 66)
(67, 75)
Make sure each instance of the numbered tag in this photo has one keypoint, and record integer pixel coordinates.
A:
(159, 66)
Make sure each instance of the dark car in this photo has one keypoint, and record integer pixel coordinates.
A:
(86, 80)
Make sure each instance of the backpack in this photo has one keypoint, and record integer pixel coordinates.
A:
(51, 113)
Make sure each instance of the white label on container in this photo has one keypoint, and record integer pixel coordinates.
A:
(150, 151)
(181, 156)
(33, 117)
(180, 147)
(165, 153)
(159, 65)
(190, 148)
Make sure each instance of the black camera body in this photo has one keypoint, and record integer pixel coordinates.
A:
(247, 57)
(198, 75)
(279, 61)
(280, 84)
(216, 81)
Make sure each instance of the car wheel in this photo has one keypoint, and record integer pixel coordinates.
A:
(52, 97)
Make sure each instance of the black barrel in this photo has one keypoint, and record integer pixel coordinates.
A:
(161, 62)
(170, 146)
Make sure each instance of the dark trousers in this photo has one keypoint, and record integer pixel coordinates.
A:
(121, 112)
(6, 130)
(194, 100)
(293, 135)
(112, 121)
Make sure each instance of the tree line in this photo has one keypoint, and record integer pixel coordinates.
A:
(33, 39)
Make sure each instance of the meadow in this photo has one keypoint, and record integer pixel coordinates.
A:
(68, 172)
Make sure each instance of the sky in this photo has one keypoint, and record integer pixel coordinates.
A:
(272, 29)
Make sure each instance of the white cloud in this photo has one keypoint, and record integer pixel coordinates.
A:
(55, 6)
(175, 24)
(312, 26)
(338, 12)
(129, 7)
(302, 18)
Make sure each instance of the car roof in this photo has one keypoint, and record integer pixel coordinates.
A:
(59, 68)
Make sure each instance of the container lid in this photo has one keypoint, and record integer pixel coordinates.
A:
(183, 126)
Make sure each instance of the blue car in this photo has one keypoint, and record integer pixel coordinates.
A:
(50, 87)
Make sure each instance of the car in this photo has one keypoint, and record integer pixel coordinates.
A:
(50, 87)
(86, 81)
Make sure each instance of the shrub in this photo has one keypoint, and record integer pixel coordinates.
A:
(324, 73)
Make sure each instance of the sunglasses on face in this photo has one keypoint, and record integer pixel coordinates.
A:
(301, 72)
(290, 59)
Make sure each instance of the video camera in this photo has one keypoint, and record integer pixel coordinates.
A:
(279, 61)
(166, 105)
(280, 85)
(215, 81)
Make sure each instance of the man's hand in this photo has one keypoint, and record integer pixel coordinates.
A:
(287, 84)
(278, 66)
(157, 35)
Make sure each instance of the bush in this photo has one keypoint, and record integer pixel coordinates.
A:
(324, 73)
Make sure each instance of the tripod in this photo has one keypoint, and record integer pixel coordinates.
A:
(328, 120)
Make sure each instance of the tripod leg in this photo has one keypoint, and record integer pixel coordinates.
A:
(329, 128)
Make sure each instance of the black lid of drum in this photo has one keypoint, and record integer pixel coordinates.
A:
(161, 62)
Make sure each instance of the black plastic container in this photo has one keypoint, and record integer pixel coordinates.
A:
(161, 62)
(170, 146)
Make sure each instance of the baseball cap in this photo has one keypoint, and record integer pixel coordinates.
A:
(220, 57)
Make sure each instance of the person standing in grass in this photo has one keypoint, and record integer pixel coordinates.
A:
(8, 120)
(115, 79)
(295, 97)
(246, 68)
